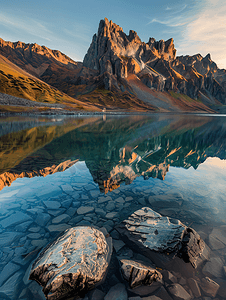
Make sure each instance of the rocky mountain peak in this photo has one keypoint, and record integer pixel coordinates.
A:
(116, 54)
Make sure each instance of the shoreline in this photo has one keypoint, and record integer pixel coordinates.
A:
(34, 109)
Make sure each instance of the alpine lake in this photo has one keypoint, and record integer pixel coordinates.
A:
(59, 172)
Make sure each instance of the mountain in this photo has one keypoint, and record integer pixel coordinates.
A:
(124, 150)
(124, 60)
(121, 71)
(21, 84)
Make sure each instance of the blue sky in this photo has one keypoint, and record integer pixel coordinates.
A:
(197, 26)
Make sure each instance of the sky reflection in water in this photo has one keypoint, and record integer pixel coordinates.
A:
(175, 165)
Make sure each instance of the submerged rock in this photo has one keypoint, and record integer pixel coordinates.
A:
(137, 273)
(73, 264)
(160, 238)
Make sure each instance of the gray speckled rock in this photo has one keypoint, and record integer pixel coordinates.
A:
(73, 264)
(152, 233)
(136, 273)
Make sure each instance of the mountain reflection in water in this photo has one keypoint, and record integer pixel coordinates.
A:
(115, 150)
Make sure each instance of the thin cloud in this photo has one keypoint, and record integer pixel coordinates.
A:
(207, 33)
(171, 23)
(27, 25)
(171, 20)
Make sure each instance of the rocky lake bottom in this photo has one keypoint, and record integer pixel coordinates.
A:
(34, 211)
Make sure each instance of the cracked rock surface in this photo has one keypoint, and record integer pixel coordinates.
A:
(73, 264)
(137, 273)
(154, 234)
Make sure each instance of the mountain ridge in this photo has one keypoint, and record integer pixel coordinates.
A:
(119, 71)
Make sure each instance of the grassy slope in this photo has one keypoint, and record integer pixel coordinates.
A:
(16, 82)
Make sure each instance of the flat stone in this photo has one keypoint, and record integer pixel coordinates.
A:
(14, 219)
(222, 289)
(34, 235)
(111, 215)
(7, 238)
(71, 211)
(214, 267)
(110, 206)
(34, 229)
(49, 191)
(94, 194)
(118, 244)
(66, 203)
(169, 277)
(52, 204)
(22, 227)
(125, 252)
(117, 292)
(104, 199)
(9, 288)
(209, 287)
(220, 234)
(178, 292)
(58, 227)
(64, 272)
(39, 243)
(145, 290)
(8, 271)
(162, 293)
(61, 218)
(193, 284)
(155, 237)
(217, 239)
(100, 212)
(97, 295)
(115, 235)
(137, 273)
(82, 210)
(67, 188)
(116, 191)
(120, 200)
(128, 198)
(42, 219)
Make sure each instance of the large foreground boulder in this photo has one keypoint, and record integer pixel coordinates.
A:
(73, 264)
(160, 238)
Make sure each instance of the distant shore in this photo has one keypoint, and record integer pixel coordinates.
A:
(10, 105)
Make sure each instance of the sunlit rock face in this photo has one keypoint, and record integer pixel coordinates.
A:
(73, 264)
(161, 238)
(35, 58)
(115, 56)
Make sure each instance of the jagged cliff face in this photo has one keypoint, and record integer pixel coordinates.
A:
(115, 56)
